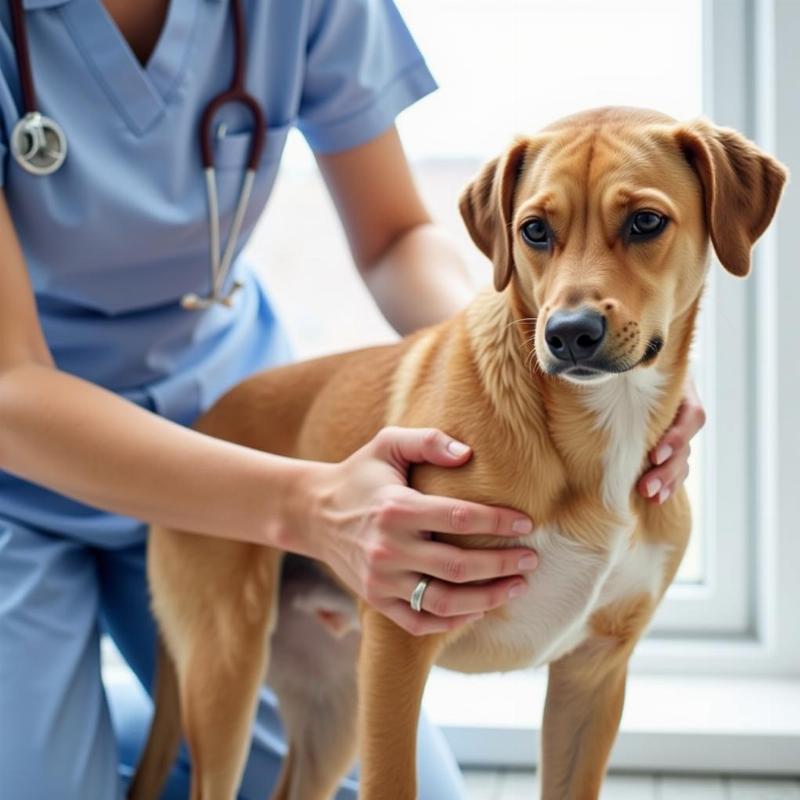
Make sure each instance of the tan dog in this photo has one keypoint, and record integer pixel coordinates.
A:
(561, 380)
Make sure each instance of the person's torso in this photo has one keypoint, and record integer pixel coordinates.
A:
(121, 230)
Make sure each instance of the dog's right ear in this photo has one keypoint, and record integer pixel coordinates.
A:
(487, 206)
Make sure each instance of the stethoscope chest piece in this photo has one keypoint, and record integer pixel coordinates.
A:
(38, 144)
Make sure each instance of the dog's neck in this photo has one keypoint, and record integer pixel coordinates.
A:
(626, 414)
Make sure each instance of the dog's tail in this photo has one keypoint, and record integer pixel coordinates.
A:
(165, 733)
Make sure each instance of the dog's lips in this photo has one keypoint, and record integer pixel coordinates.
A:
(586, 374)
(594, 370)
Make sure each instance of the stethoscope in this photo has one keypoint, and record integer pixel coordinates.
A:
(39, 146)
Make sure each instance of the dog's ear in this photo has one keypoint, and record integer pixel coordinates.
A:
(486, 206)
(741, 188)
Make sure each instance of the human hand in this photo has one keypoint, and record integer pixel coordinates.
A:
(374, 532)
(670, 457)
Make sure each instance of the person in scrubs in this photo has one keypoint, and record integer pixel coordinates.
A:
(102, 369)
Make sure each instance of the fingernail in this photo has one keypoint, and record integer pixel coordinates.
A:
(652, 487)
(517, 590)
(456, 449)
(529, 561)
(663, 495)
(522, 525)
(663, 453)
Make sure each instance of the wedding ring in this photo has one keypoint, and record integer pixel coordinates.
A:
(419, 592)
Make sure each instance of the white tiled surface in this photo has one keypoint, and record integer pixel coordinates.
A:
(505, 785)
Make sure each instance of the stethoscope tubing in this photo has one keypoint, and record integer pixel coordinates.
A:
(220, 263)
(40, 147)
(23, 56)
(37, 142)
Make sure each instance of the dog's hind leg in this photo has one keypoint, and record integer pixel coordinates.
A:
(165, 733)
(313, 673)
(320, 729)
(393, 668)
(215, 617)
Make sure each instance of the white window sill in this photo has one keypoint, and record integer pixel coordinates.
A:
(671, 723)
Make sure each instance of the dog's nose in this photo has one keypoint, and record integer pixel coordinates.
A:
(575, 335)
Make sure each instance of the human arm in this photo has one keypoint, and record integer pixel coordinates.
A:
(412, 267)
(87, 443)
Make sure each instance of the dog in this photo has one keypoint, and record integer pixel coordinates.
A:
(561, 377)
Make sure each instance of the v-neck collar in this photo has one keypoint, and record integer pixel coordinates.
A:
(139, 93)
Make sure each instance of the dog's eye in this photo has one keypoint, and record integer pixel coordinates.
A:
(536, 233)
(646, 224)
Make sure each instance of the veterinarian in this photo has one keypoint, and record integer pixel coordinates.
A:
(103, 361)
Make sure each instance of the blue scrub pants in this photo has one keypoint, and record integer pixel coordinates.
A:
(62, 733)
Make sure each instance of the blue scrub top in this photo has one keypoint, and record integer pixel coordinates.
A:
(115, 238)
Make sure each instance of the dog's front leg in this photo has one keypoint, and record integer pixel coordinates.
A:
(392, 669)
(580, 724)
(585, 695)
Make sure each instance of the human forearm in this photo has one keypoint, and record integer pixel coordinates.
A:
(87, 443)
(420, 280)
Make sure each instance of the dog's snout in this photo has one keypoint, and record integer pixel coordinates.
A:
(575, 335)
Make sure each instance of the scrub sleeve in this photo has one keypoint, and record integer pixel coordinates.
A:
(111, 242)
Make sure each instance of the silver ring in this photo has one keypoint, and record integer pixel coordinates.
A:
(419, 592)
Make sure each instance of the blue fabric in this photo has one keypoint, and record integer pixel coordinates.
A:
(116, 237)
(57, 735)
(112, 241)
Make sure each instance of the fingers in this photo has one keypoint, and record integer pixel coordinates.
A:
(444, 599)
(670, 456)
(659, 484)
(422, 623)
(446, 607)
(690, 419)
(404, 446)
(448, 515)
(460, 565)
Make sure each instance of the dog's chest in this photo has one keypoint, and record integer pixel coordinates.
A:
(575, 579)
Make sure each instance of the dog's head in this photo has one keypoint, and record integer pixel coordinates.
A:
(602, 222)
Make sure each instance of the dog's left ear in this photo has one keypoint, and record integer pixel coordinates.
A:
(741, 189)
(487, 207)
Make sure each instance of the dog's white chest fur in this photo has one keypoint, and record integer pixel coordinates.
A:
(573, 581)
